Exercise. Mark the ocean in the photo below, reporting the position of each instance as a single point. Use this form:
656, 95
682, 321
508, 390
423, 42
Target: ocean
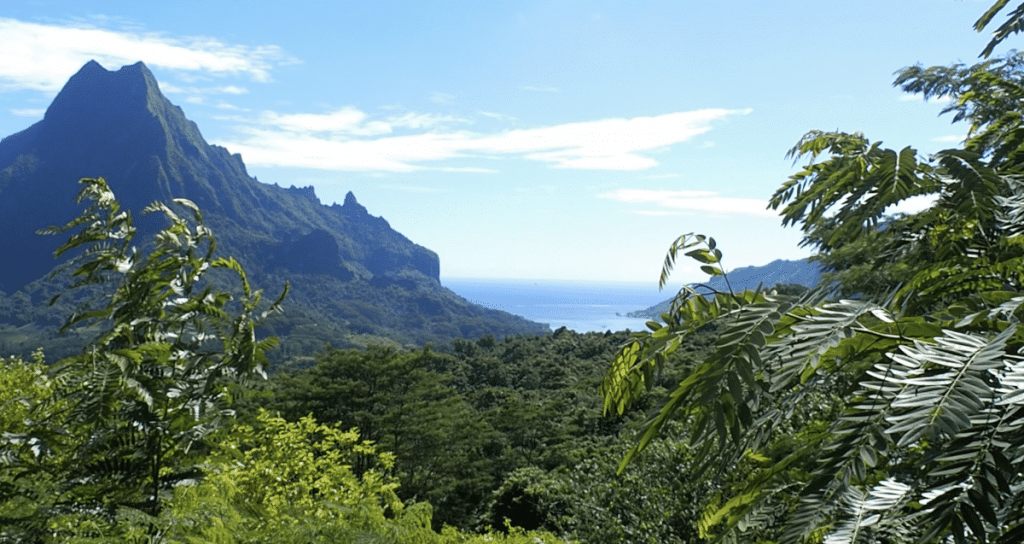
579, 306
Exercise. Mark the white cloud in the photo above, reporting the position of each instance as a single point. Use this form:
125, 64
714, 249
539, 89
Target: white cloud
442, 98
272, 147
498, 116
656, 213
953, 138
912, 205
347, 122
348, 139
28, 112
170, 88
415, 189
468, 169
422, 120
231, 89
669, 201
540, 89
47, 55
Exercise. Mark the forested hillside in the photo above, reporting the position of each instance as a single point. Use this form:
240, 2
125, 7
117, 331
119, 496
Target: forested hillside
355, 279
168, 428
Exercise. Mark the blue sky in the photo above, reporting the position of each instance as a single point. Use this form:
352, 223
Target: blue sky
541, 140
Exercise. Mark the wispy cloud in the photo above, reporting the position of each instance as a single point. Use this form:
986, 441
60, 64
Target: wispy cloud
347, 122
468, 169
48, 54
229, 106
349, 139
28, 112
442, 98
415, 189
170, 88
952, 138
657, 213
498, 116
669, 202
423, 120
540, 89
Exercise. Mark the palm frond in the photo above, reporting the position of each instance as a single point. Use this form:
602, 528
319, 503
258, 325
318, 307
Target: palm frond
864, 509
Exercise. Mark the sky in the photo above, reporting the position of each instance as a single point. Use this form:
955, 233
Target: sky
564, 140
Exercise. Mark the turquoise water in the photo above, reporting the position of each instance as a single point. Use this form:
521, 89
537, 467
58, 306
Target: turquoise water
580, 306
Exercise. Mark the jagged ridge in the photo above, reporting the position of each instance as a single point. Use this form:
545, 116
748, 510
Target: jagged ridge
118, 125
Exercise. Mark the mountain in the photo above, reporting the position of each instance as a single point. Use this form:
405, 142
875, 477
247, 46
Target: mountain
352, 275
778, 272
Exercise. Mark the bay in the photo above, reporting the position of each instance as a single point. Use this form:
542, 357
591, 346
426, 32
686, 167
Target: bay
579, 306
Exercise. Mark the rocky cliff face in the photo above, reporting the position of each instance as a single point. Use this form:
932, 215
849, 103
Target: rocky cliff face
117, 125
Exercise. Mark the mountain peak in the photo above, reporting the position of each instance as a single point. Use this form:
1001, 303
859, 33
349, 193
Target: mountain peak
352, 206
91, 66
119, 126
132, 87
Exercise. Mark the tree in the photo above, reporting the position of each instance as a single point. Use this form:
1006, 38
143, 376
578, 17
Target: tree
138, 403
902, 412
291, 482
651, 501
397, 400
284, 482
1013, 25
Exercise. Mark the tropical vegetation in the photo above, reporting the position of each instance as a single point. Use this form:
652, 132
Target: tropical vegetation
136, 439
884, 406
887, 405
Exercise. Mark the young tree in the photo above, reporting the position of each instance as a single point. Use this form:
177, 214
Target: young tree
138, 402
905, 406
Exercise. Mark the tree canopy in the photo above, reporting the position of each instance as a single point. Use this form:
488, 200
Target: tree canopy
887, 405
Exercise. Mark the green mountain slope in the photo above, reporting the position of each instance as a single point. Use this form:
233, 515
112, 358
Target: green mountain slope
354, 279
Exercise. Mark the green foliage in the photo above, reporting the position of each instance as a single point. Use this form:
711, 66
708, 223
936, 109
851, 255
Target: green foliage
1014, 24
136, 407
893, 418
280, 482
134, 439
22, 386
397, 400
289, 482
654, 501
459, 423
